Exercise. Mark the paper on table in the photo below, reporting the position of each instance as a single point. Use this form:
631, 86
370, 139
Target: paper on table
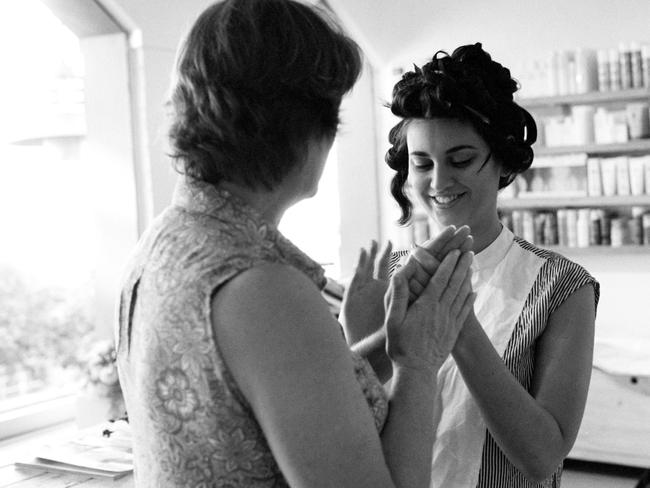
90, 452
45, 465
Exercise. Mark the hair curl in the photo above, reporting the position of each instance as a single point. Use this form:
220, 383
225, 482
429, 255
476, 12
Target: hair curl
468, 86
255, 79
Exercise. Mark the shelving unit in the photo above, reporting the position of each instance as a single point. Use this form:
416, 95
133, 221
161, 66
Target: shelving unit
640, 146
613, 428
597, 251
573, 202
594, 98
540, 203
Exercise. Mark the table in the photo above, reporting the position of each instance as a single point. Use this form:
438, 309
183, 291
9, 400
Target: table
13, 477
616, 425
23, 447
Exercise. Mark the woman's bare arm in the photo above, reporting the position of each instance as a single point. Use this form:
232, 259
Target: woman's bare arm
535, 430
286, 353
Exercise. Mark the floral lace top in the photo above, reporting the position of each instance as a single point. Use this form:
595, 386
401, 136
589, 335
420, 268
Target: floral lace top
192, 425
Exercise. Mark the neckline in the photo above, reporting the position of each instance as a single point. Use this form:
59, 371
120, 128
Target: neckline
200, 196
204, 198
495, 252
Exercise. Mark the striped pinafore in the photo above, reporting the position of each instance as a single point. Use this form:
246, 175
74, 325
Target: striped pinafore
518, 287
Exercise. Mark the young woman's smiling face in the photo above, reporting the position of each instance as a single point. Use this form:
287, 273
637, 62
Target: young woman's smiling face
454, 176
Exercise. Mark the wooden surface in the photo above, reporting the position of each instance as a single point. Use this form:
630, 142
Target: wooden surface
615, 430
633, 146
23, 447
616, 425
13, 477
523, 202
595, 98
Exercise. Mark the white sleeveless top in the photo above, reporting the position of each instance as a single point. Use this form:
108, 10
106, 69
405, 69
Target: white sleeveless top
517, 286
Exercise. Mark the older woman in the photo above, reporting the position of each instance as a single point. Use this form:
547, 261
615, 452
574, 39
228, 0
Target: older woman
234, 372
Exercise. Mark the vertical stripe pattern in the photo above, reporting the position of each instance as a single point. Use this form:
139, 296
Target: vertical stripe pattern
557, 279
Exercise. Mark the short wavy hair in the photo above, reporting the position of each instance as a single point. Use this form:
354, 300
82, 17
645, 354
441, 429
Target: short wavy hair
255, 80
467, 86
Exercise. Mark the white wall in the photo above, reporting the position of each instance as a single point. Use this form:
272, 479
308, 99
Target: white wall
108, 151
518, 29
358, 171
161, 24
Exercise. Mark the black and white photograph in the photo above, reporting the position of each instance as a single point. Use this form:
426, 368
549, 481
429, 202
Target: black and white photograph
325, 244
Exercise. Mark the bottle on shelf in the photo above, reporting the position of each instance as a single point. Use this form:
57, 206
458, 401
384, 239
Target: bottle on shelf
645, 63
602, 58
581, 228
625, 60
589, 185
614, 70
595, 228
646, 229
637, 65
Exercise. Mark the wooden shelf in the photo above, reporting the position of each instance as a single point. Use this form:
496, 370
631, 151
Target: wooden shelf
573, 202
599, 250
638, 146
594, 98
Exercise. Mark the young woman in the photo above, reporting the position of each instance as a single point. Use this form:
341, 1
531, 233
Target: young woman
234, 372
512, 395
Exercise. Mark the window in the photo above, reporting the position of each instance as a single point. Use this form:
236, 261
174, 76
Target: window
45, 260
314, 224
66, 178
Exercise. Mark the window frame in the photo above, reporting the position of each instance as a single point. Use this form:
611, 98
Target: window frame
93, 21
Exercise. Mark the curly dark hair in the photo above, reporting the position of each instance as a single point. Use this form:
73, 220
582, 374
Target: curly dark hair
468, 86
255, 80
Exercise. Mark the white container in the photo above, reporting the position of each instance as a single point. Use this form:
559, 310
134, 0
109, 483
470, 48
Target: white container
619, 126
583, 123
608, 171
562, 230
602, 126
528, 226
614, 70
572, 227
638, 120
582, 224
594, 178
619, 232
625, 60
517, 223
637, 65
622, 175
603, 70
637, 174
645, 61
646, 168
586, 64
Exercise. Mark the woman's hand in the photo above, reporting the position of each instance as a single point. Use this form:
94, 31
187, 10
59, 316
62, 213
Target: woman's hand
427, 257
422, 334
362, 311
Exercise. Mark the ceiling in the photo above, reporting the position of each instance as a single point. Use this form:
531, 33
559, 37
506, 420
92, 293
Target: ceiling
385, 28
394, 32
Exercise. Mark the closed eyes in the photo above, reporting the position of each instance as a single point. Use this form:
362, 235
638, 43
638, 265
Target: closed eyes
422, 164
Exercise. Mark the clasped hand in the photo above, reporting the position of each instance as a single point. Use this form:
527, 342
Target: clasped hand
427, 302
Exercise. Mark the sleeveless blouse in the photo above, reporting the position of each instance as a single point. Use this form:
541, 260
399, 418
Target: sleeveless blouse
192, 426
518, 287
